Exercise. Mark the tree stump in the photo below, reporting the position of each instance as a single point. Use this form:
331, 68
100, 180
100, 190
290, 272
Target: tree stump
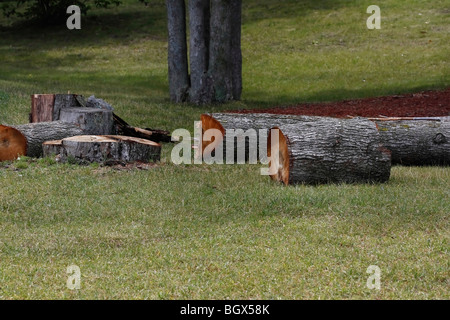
91, 120
108, 149
330, 150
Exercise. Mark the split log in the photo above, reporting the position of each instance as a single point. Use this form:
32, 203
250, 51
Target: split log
108, 149
156, 135
13, 143
329, 150
91, 120
37, 133
417, 142
47, 107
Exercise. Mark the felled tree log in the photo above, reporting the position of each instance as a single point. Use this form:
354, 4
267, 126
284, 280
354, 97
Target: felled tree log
417, 142
329, 150
47, 107
91, 120
12, 143
36, 133
108, 149
239, 125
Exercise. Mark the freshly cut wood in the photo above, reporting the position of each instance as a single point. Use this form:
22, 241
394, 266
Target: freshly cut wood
417, 142
156, 135
104, 149
91, 120
329, 150
47, 107
258, 123
37, 133
12, 143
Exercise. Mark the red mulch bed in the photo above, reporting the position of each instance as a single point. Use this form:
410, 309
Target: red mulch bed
421, 104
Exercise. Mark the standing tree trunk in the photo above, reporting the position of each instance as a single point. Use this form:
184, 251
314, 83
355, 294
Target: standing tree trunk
215, 51
177, 50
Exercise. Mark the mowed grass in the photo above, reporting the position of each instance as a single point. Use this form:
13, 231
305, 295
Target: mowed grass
212, 231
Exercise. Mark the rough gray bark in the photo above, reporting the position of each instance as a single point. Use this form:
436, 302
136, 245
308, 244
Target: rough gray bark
177, 50
333, 150
255, 122
37, 133
220, 51
199, 20
417, 142
107, 149
215, 51
236, 53
90, 120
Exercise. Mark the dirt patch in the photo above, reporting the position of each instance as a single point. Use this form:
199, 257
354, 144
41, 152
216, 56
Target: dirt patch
420, 104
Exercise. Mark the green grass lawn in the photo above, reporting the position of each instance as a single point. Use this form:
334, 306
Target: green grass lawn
223, 232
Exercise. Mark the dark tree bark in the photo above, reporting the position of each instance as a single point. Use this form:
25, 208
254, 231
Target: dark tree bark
177, 50
215, 51
199, 20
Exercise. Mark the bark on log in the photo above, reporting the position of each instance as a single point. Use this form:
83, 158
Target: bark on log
37, 133
330, 150
47, 107
259, 122
108, 149
90, 120
417, 142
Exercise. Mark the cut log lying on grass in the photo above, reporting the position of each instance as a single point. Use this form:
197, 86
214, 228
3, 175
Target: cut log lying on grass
416, 142
329, 150
123, 128
108, 149
259, 122
47, 107
36, 133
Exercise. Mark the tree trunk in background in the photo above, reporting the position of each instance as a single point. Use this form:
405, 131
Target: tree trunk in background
199, 20
215, 51
177, 50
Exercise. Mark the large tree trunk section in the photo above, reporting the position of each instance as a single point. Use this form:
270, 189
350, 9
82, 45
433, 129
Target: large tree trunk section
90, 120
12, 143
37, 133
177, 50
417, 142
47, 107
108, 149
259, 122
330, 150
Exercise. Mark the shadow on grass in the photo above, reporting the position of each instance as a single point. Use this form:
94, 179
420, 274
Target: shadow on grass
120, 25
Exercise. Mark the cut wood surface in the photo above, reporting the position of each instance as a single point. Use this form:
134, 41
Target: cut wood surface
104, 149
330, 150
12, 143
417, 142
